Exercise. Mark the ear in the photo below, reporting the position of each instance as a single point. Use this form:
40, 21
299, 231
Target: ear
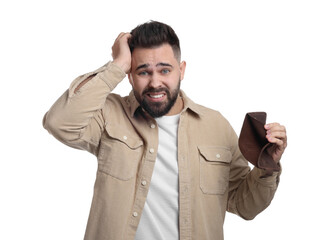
182, 67
130, 79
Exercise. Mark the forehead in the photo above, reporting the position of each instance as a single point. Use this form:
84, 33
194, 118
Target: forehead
151, 56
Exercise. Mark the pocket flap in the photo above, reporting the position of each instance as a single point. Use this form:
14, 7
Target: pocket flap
215, 154
128, 138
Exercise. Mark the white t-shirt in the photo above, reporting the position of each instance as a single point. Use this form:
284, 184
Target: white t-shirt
159, 220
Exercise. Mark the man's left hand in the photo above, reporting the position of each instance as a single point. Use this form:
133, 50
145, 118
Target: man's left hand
276, 134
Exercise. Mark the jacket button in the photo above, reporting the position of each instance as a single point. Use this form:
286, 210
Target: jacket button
218, 156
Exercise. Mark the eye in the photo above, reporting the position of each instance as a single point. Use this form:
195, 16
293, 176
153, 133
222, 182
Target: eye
165, 71
143, 73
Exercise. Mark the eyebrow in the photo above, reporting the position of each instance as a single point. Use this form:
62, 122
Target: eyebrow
146, 65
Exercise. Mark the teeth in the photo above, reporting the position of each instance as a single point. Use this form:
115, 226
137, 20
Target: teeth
156, 96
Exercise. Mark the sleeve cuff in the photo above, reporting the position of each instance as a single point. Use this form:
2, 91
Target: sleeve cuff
110, 73
263, 178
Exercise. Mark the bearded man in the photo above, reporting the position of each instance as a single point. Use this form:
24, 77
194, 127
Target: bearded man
168, 168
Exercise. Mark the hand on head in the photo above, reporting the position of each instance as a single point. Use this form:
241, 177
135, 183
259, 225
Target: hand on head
121, 52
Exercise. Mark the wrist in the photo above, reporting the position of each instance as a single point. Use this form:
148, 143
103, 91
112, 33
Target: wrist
124, 66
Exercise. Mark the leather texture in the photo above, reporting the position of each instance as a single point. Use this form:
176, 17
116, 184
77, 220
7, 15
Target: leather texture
253, 143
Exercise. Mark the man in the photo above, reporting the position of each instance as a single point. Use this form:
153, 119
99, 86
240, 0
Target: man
167, 167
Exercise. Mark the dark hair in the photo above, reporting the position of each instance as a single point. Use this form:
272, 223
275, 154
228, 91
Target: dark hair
153, 34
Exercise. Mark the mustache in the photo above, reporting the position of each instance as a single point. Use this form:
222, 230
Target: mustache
154, 90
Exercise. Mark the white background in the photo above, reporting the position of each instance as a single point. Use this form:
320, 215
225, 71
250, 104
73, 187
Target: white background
241, 56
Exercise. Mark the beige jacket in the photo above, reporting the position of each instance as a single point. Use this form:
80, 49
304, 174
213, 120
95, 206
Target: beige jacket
213, 175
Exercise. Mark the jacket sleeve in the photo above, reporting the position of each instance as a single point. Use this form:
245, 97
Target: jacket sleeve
250, 191
76, 117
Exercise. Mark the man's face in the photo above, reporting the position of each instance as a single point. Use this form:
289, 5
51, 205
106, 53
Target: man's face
155, 78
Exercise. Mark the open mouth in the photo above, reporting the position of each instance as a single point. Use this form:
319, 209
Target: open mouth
156, 96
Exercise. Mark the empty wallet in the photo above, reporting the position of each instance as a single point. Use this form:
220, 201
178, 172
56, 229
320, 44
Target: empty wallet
253, 143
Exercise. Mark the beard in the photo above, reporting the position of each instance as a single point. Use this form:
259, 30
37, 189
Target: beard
157, 109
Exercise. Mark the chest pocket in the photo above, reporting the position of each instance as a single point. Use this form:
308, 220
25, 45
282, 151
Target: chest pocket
120, 153
214, 169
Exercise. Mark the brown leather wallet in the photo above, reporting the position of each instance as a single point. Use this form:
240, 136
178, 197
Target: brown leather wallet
253, 143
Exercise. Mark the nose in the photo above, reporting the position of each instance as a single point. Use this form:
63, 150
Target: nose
155, 81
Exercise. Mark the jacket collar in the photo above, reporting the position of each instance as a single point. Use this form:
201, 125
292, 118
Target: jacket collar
188, 104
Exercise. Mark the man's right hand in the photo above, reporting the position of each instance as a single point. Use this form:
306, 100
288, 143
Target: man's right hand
121, 52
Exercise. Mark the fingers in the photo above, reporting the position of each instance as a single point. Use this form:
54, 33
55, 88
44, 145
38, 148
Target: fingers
121, 52
120, 41
123, 37
119, 36
276, 133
